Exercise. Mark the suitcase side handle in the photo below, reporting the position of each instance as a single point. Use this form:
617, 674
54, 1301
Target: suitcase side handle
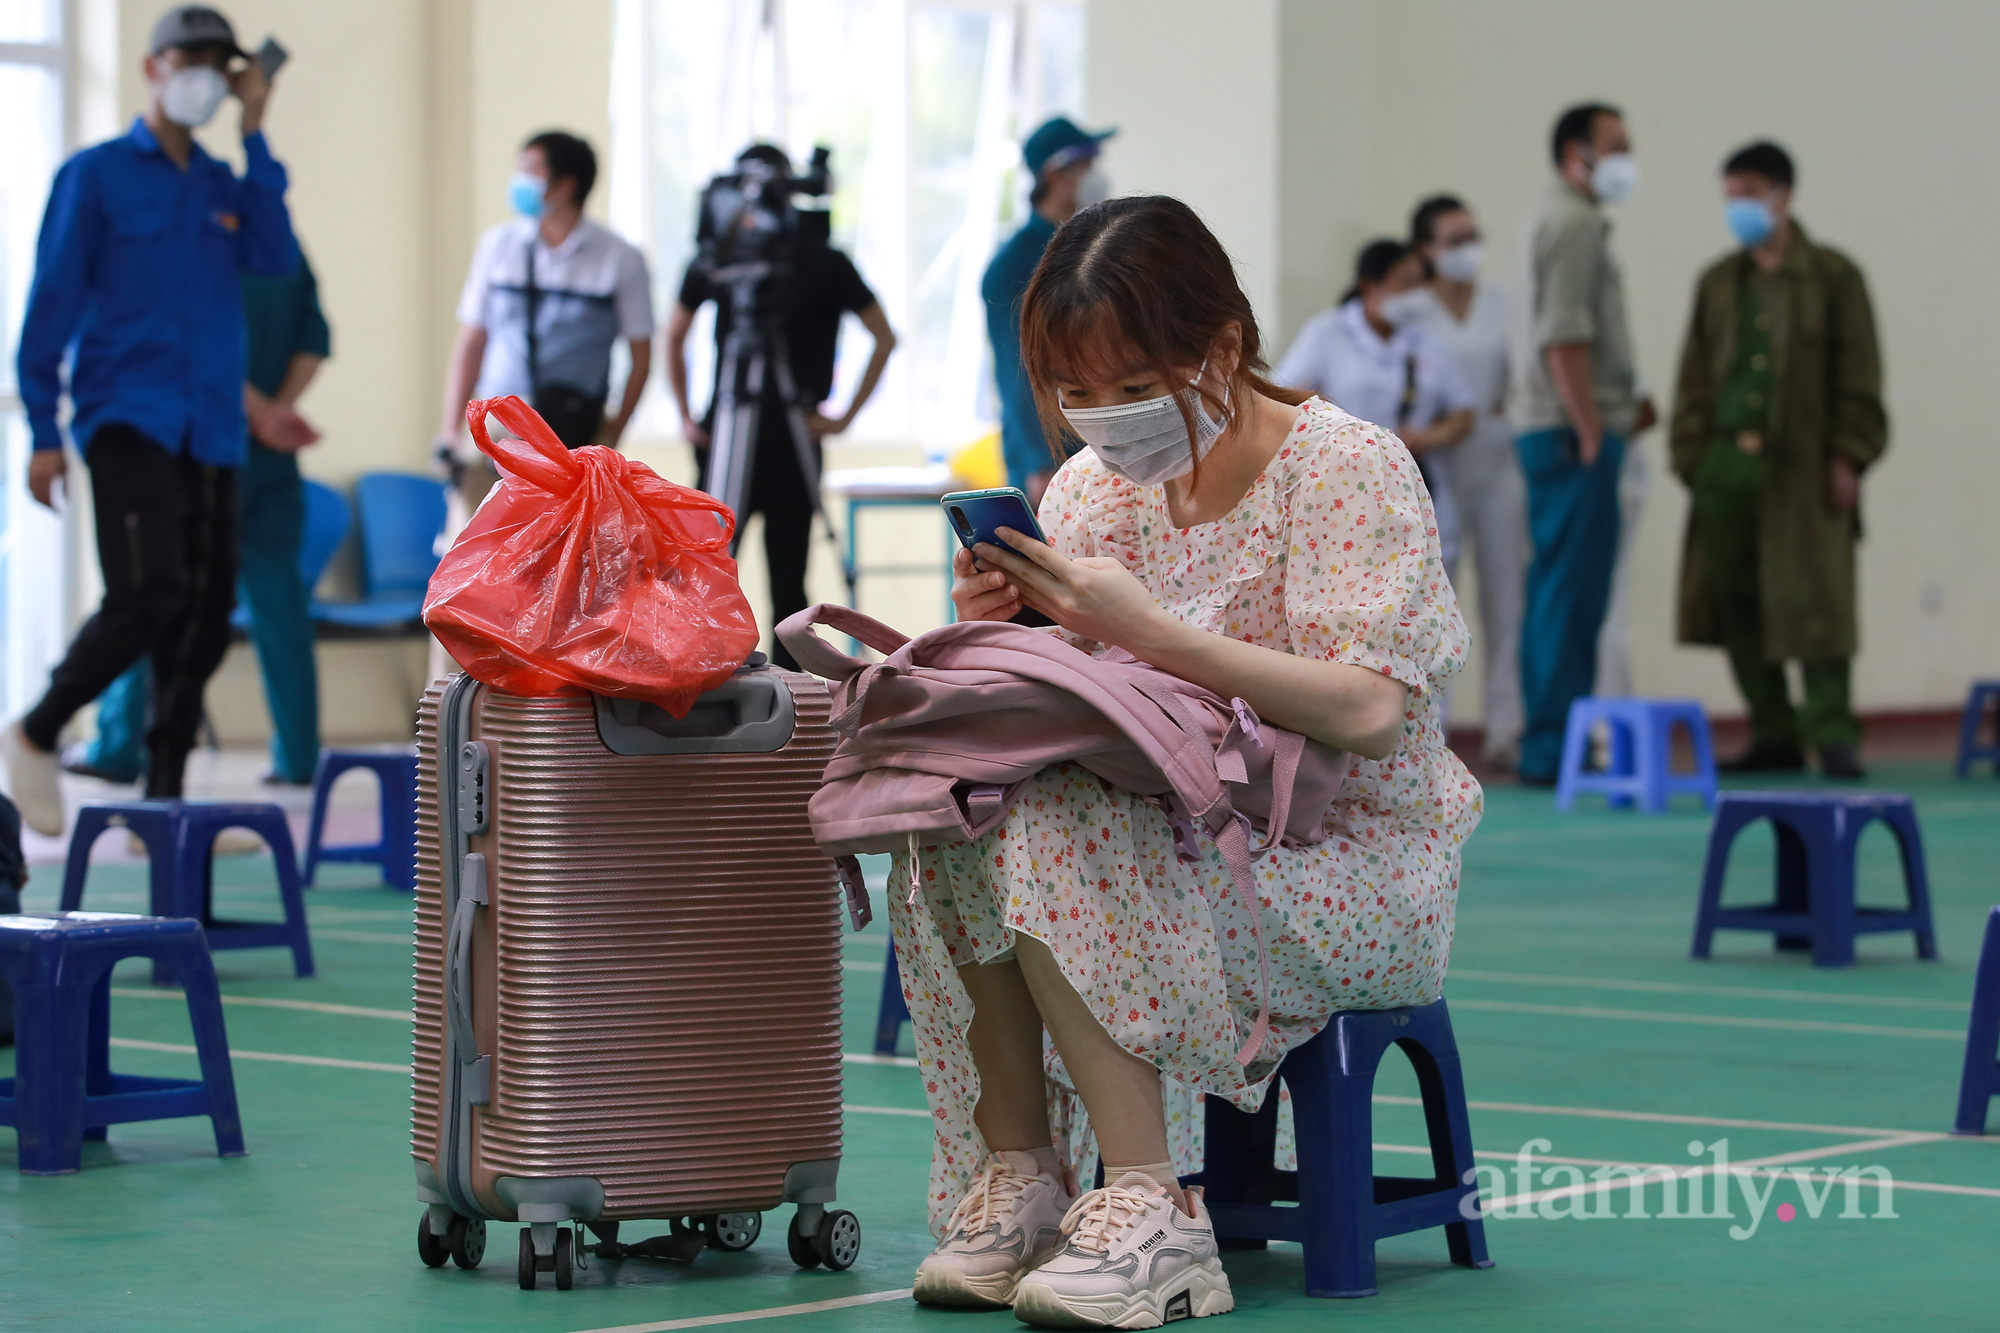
750, 713
458, 957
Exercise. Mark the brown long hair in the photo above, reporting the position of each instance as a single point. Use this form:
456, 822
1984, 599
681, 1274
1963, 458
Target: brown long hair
1140, 276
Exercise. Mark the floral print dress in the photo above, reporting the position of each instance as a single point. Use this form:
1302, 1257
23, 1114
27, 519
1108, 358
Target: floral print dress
1333, 554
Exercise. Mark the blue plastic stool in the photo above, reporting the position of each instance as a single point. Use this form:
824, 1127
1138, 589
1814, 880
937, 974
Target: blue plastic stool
1641, 763
1981, 1081
63, 1091
1984, 694
395, 852
179, 836
1344, 1207
1814, 902
894, 1011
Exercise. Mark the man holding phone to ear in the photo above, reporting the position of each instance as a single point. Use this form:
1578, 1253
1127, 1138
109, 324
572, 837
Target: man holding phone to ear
138, 283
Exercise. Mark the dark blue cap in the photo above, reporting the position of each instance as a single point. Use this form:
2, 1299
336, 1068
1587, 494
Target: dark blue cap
1060, 138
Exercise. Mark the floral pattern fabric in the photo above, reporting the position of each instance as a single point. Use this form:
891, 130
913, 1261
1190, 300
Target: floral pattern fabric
1333, 554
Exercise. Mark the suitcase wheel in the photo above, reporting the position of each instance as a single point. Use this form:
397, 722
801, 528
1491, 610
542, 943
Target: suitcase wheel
804, 1249
562, 1262
467, 1238
564, 1274
838, 1241
732, 1231
431, 1248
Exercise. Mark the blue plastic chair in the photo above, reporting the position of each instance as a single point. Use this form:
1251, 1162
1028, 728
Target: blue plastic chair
1641, 762
327, 521
179, 836
1343, 1206
1813, 907
63, 1091
1980, 1082
401, 515
395, 851
1984, 694
894, 1010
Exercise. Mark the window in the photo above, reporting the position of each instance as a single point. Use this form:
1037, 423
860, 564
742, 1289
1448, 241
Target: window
33, 63
923, 103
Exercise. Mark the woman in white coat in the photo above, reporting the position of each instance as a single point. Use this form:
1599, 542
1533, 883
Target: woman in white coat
1469, 317
1401, 378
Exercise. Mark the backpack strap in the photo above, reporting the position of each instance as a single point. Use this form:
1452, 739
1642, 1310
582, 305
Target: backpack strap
822, 658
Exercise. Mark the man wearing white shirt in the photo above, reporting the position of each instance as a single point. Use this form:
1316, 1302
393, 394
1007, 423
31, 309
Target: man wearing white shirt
548, 295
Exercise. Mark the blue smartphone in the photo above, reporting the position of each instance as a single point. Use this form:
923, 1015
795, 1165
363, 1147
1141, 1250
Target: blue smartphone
978, 516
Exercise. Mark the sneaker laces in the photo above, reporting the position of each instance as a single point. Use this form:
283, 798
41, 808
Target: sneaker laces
1099, 1217
993, 1191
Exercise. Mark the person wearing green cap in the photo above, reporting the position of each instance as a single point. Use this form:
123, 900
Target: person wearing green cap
1062, 158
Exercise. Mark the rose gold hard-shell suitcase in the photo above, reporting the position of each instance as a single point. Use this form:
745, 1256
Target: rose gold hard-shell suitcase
627, 974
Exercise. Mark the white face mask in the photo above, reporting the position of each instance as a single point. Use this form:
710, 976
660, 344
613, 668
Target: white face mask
1147, 442
1093, 187
1403, 307
1461, 263
1615, 178
191, 96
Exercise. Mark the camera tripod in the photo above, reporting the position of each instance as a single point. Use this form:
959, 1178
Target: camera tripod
754, 349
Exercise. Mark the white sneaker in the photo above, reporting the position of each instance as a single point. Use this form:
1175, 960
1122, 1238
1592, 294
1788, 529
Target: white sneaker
33, 778
229, 842
1133, 1260
1008, 1222
239, 842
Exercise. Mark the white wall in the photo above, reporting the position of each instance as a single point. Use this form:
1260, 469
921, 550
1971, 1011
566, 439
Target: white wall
1886, 108
1183, 80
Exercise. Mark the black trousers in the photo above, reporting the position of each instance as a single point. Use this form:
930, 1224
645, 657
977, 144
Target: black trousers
166, 541
778, 492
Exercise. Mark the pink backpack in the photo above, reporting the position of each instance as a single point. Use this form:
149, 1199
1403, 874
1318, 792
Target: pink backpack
936, 740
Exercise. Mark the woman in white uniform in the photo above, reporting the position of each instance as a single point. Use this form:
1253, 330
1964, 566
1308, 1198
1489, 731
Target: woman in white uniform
1469, 318
1355, 357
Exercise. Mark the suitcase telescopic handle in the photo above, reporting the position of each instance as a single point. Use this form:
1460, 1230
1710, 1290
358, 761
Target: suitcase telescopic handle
458, 956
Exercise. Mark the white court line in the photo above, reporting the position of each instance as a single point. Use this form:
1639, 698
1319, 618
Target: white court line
1659, 1117
1765, 1166
326, 1061
263, 1002
1690, 988
748, 1316
899, 1110
1709, 1020
860, 1058
363, 936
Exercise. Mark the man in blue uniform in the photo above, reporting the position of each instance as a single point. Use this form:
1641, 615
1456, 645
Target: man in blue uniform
288, 340
1063, 161
137, 283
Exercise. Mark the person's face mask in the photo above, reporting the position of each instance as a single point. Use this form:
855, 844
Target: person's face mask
1093, 187
1615, 178
1147, 442
527, 194
1749, 220
192, 96
1461, 263
1403, 307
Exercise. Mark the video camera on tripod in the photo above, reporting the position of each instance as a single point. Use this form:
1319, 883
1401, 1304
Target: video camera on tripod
749, 233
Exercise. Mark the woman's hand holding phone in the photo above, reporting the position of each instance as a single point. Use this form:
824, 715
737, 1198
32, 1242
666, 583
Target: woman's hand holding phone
1094, 597
981, 594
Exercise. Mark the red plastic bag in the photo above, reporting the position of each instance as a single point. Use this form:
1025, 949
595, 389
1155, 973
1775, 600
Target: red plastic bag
589, 571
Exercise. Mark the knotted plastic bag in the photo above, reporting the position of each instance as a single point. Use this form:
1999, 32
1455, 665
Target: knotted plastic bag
586, 570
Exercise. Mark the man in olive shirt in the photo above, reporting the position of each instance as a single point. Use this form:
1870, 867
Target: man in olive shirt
1574, 405
1778, 412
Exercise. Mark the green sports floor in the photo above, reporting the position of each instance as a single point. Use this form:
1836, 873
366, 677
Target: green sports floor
1580, 1017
